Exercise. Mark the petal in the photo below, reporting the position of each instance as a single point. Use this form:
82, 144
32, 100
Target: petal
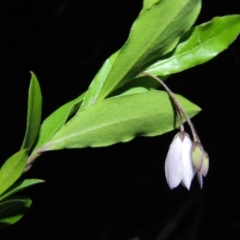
173, 165
189, 169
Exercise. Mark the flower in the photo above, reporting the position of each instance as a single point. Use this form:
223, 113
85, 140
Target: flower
179, 167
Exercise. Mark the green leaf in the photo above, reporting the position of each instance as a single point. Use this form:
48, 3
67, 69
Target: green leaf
57, 119
148, 4
98, 81
12, 169
134, 86
120, 119
20, 185
13, 209
33, 113
156, 32
203, 43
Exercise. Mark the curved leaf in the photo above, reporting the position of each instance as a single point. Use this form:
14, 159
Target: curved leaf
98, 81
204, 43
34, 113
119, 119
155, 32
56, 120
12, 169
13, 209
20, 185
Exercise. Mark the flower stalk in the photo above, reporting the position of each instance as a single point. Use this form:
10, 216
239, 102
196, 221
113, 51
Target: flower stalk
184, 157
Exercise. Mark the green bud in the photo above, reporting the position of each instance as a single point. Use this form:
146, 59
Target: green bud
197, 155
205, 164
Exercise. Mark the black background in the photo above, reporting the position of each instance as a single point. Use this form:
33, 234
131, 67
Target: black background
118, 192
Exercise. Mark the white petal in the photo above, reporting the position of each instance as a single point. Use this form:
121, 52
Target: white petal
174, 168
189, 169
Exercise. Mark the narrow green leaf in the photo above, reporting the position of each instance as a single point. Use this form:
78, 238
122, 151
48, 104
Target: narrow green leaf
156, 32
12, 169
33, 113
204, 43
20, 185
120, 119
13, 209
56, 120
98, 81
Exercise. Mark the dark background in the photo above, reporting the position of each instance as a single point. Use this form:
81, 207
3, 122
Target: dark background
118, 192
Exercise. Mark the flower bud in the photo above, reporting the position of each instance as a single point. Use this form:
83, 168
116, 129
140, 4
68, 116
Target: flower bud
205, 165
197, 155
204, 169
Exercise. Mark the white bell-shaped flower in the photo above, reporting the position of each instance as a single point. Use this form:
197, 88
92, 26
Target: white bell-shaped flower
178, 165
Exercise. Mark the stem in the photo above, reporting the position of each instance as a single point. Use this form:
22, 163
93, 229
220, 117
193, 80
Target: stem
31, 160
34, 155
179, 107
